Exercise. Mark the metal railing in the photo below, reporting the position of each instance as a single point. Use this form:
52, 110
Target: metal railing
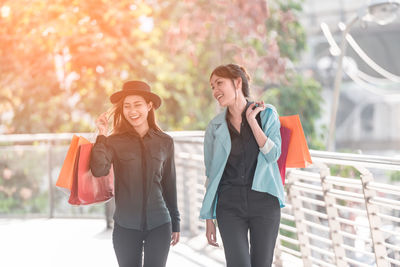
344, 221
329, 220
337, 212
29, 168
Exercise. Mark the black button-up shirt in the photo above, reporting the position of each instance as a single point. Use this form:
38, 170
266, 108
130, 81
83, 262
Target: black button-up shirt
242, 161
145, 179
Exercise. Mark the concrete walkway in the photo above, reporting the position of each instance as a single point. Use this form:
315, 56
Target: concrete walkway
86, 242
80, 242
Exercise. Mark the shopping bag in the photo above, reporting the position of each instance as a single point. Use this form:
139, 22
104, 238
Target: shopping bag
87, 189
285, 136
65, 177
298, 155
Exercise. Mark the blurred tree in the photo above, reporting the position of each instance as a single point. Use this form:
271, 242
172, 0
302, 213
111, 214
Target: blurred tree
16, 190
267, 39
297, 93
60, 60
203, 34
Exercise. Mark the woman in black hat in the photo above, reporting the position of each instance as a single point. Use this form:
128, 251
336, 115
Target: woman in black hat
146, 216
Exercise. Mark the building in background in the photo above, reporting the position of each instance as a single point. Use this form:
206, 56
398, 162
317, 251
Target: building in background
368, 113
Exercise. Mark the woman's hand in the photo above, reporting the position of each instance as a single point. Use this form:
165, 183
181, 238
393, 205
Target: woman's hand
211, 233
102, 124
174, 238
253, 110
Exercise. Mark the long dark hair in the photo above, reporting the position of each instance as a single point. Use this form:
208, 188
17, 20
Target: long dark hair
234, 71
121, 125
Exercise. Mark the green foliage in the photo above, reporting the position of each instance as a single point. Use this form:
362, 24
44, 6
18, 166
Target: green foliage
24, 183
297, 93
344, 171
290, 34
288, 234
300, 95
20, 174
60, 60
395, 176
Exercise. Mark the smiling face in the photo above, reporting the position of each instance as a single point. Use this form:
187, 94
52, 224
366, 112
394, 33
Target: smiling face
135, 110
224, 90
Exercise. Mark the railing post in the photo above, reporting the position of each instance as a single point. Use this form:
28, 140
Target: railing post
278, 253
191, 189
184, 190
294, 200
50, 179
109, 208
373, 219
332, 212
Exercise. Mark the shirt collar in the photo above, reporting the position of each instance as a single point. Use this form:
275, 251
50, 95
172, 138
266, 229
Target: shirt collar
221, 117
150, 133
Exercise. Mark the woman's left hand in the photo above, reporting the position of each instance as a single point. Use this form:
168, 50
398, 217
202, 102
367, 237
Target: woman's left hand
174, 238
253, 110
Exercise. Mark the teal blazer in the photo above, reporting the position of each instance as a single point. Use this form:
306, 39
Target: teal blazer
217, 146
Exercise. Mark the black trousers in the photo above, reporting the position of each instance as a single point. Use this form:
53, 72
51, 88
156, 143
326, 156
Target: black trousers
129, 244
240, 210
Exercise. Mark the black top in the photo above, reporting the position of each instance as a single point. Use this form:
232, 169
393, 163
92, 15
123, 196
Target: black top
242, 161
145, 180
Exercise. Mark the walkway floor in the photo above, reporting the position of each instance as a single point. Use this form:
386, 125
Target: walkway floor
86, 242
74, 242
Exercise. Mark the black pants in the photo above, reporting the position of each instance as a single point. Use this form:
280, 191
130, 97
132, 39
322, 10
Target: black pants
240, 209
129, 245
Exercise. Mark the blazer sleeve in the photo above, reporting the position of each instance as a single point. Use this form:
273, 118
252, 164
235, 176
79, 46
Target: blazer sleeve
101, 157
208, 149
271, 127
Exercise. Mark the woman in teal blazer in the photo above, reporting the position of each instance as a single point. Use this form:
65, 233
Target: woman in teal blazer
244, 190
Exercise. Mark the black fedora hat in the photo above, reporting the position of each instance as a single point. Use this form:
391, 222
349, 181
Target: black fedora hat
136, 88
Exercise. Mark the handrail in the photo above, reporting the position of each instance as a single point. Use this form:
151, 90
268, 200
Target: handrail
46, 137
349, 159
325, 156
336, 211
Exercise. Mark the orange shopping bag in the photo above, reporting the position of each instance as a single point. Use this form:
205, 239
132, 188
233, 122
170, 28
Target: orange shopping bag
65, 177
298, 155
87, 189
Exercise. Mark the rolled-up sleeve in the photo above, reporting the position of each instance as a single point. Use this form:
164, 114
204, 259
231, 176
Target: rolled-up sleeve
267, 147
169, 188
101, 157
272, 148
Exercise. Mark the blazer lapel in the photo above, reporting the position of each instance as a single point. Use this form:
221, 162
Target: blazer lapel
223, 137
222, 132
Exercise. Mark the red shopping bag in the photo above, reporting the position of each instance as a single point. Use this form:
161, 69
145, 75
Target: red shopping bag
298, 155
87, 189
65, 177
285, 136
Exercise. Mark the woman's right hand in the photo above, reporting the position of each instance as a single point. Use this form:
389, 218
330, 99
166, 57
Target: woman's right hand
211, 233
102, 124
